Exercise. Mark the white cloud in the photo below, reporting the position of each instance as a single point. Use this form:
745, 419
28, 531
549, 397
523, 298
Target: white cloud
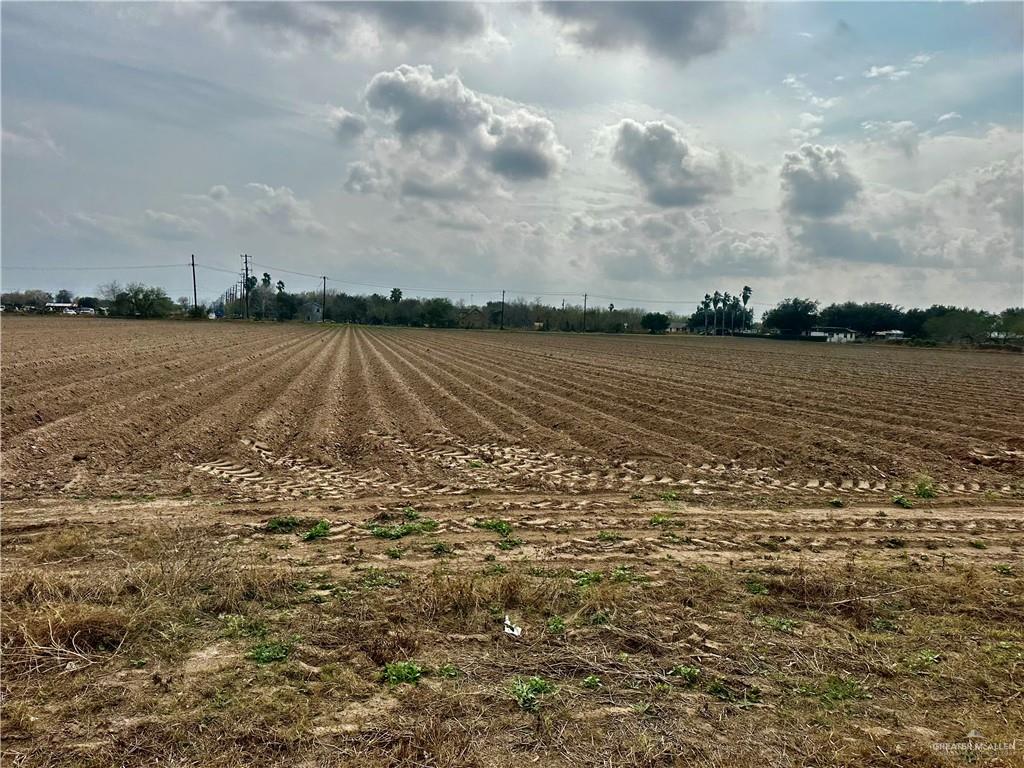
817, 182
949, 116
902, 135
346, 125
30, 138
671, 245
804, 93
670, 171
886, 72
450, 142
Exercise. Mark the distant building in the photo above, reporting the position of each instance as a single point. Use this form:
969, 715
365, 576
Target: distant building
887, 335
58, 306
677, 328
833, 335
311, 312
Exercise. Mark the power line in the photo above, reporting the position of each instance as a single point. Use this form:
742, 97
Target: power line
318, 278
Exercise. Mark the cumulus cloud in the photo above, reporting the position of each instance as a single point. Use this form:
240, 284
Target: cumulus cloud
346, 125
848, 242
339, 25
671, 171
675, 31
451, 142
949, 116
1000, 188
902, 135
817, 182
809, 127
966, 222
278, 208
674, 244
364, 178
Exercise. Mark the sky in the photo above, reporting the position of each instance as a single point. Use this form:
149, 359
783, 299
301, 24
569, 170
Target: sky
642, 153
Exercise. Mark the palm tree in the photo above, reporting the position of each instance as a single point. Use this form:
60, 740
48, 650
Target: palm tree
716, 300
706, 305
746, 297
735, 309
726, 303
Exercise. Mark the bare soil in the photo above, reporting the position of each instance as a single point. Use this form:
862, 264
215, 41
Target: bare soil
721, 552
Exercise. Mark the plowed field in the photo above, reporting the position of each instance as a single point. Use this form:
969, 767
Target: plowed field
720, 551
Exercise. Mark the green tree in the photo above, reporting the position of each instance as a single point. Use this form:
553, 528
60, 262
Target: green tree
959, 325
64, 296
654, 322
706, 306
792, 316
145, 301
747, 293
1011, 321
396, 295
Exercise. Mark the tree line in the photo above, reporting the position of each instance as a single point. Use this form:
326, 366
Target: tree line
939, 323
719, 313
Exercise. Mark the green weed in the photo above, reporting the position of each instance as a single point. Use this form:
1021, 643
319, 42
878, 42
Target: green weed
689, 675
286, 524
400, 530
527, 692
500, 527
268, 653
318, 531
556, 625
398, 672
924, 488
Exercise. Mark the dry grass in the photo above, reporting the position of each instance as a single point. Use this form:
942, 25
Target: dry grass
148, 640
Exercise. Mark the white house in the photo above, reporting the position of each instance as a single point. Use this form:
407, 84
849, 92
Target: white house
833, 335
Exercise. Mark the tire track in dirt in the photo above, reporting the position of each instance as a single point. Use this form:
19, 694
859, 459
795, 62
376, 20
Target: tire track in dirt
861, 459
768, 368
21, 412
597, 438
191, 434
111, 432
743, 400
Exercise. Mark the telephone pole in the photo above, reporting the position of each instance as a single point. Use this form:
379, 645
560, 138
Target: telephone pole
195, 296
323, 307
245, 293
502, 325
584, 313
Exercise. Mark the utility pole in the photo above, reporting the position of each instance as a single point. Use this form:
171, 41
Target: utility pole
502, 325
245, 259
195, 296
323, 307
584, 313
